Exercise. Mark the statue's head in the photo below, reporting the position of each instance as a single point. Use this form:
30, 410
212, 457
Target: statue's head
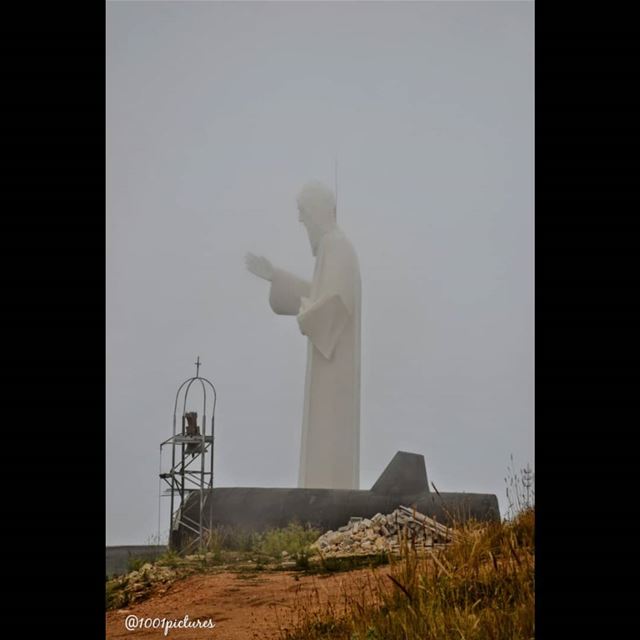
317, 207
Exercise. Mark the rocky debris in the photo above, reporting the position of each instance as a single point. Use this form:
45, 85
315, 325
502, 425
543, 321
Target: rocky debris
136, 585
384, 534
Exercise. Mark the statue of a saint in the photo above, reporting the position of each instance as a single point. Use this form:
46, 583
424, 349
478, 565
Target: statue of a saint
328, 313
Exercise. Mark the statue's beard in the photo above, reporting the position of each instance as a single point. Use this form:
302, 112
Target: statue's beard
316, 233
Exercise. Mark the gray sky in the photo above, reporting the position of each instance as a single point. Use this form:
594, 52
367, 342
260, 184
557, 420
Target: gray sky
217, 113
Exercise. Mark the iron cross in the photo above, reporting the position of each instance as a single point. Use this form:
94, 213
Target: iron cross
197, 363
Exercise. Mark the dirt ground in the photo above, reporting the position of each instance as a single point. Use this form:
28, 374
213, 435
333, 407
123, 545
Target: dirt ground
242, 606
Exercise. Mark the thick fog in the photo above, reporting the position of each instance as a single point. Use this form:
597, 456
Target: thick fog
217, 114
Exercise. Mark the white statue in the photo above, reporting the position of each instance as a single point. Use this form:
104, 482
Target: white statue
328, 313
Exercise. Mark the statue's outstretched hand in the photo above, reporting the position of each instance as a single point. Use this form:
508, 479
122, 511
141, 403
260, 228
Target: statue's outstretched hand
259, 266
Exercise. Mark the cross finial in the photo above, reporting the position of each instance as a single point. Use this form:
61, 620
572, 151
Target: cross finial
197, 363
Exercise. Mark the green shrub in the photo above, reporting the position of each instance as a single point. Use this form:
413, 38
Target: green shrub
294, 540
230, 538
135, 563
169, 559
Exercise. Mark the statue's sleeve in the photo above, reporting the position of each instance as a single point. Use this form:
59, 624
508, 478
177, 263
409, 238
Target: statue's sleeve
286, 292
323, 321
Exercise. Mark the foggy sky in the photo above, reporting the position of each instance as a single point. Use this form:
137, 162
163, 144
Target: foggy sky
217, 114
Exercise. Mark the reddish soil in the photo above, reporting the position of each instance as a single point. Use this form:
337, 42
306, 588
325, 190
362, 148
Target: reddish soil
243, 606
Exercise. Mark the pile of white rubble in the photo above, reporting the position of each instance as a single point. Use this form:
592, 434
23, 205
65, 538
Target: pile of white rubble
384, 533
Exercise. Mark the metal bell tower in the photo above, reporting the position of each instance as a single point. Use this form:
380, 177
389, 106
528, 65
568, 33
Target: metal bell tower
190, 475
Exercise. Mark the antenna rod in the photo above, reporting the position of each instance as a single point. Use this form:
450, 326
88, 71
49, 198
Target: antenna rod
335, 180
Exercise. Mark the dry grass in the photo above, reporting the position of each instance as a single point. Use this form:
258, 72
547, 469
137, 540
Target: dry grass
481, 587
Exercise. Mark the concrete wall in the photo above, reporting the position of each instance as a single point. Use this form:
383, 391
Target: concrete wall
257, 509
403, 482
117, 558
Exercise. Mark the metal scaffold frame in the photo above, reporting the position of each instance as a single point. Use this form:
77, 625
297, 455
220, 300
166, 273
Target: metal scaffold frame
191, 470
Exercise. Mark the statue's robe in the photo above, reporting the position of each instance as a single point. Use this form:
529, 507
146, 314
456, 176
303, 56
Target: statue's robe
328, 313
